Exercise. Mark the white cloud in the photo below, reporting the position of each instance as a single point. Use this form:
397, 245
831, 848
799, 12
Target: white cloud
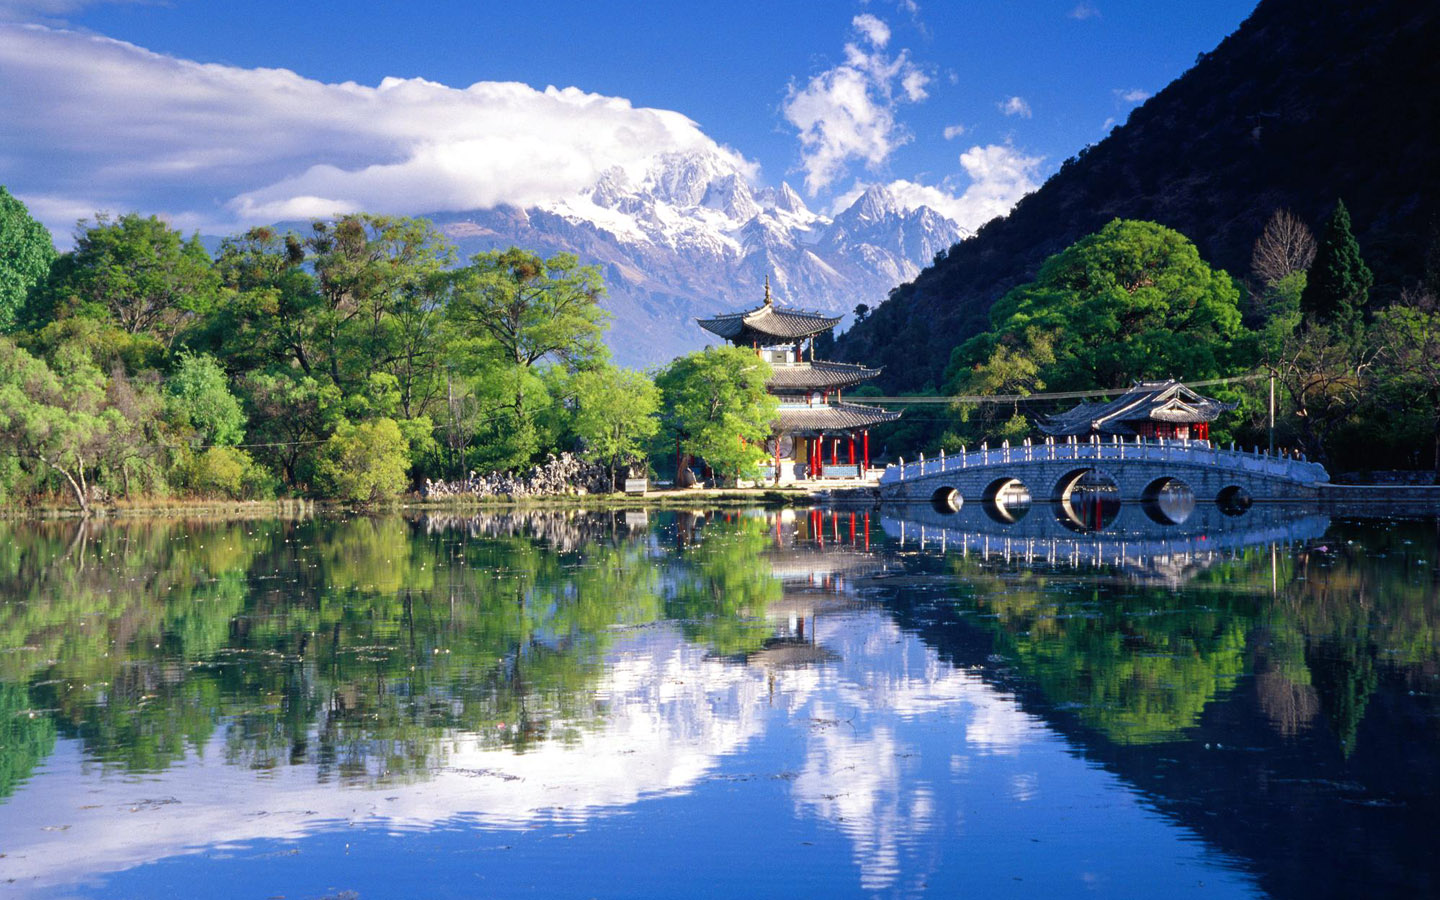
953, 131
847, 113
996, 177
93, 122
1133, 95
874, 29
1083, 11
1015, 106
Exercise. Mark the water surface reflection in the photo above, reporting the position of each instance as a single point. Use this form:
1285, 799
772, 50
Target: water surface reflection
933, 703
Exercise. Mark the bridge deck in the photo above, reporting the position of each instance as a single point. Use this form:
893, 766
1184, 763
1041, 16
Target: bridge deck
1042, 467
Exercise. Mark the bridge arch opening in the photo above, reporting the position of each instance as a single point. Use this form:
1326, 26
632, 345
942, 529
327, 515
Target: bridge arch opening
1233, 500
1006, 500
1086, 500
947, 500
1168, 501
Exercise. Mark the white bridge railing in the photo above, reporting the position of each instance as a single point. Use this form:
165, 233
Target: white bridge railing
1189, 452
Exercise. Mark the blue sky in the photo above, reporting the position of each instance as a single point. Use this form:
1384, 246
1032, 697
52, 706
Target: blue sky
221, 114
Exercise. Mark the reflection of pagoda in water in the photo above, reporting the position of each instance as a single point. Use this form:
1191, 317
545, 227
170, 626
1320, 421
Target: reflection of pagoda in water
816, 555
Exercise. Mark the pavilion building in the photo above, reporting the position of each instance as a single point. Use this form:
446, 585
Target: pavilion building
817, 434
1150, 409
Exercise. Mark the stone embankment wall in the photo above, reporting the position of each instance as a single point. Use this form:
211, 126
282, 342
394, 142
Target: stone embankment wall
559, 476
1395, 498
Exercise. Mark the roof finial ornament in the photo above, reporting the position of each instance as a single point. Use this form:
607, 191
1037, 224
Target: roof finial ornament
768, 301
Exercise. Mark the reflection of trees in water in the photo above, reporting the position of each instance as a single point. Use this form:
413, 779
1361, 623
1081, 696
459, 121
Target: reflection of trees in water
26, 738
355, 646
1314, 625
722, 584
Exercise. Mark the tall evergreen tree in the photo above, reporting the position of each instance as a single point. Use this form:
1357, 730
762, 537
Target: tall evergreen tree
1338, 285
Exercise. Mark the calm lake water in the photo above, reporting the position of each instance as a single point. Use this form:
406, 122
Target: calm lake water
722, 704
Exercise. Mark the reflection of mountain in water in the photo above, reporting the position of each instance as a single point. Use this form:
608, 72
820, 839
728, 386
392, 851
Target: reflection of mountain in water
524, 671
1134, 542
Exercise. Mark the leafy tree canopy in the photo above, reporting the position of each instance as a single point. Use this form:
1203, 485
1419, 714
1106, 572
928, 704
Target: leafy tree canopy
366, 463
1134, 300
198, 395
531, 308
615, 414
26, 253
718, 408
135, 271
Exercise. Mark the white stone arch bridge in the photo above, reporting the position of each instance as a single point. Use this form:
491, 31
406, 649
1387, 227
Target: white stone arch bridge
1120, 472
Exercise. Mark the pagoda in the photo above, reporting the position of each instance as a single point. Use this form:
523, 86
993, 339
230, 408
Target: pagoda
1150, 409
817, 434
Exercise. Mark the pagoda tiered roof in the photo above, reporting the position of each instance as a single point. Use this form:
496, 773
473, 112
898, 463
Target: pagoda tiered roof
768, 324
797, 378
1147, 401
828, 419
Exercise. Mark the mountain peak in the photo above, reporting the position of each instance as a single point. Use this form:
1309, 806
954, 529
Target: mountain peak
731, 195
682, 178
789, 201
876, 204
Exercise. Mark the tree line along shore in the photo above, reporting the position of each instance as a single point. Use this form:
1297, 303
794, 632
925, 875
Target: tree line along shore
359, 360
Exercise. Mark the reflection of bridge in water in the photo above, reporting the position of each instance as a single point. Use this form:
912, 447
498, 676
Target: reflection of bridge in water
1132, 539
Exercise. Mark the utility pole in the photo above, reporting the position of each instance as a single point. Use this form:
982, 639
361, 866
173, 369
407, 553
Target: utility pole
1272, 412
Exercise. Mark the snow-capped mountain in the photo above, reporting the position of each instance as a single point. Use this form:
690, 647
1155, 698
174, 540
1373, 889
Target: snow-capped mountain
690, 236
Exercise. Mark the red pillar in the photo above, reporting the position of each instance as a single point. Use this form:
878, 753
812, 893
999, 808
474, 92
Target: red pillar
852, 449
866, 437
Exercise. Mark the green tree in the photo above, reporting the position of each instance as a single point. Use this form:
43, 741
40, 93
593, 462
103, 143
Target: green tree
378, 278
1338, 284
615, 414
57, 419
290, 416
1132, 301
26, 253
227, 471
1407, 336
198, 396
717, 407
519, 311
366, 463
137, 272
360, 297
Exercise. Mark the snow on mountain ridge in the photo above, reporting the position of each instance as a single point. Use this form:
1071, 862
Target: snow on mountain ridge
691, 235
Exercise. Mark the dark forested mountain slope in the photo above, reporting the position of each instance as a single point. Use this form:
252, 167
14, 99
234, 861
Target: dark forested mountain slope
1309, 100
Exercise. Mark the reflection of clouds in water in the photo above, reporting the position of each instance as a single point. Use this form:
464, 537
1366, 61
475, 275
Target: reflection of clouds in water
866, 783
673, 713
856, 782
1024, 787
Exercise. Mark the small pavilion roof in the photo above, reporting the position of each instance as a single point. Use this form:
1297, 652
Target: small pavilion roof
1146, 401
831, 418
768, 324
796, 378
